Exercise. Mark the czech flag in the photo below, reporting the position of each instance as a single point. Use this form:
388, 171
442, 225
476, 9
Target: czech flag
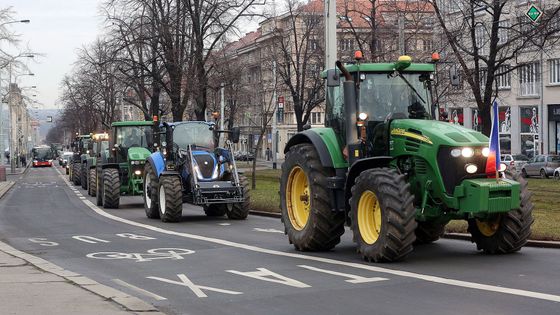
493, 161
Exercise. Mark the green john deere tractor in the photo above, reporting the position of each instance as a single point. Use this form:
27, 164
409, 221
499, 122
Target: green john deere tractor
120, 172
81, 152
383, 165
98, 147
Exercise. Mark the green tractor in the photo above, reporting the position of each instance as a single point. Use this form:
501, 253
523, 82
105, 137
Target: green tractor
120, 172
81, 152
383, 165
98, 148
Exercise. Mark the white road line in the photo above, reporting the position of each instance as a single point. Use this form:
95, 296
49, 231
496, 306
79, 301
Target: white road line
408, 274
139, 290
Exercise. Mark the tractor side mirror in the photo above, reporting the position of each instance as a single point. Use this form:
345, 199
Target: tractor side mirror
235, 133
333, 79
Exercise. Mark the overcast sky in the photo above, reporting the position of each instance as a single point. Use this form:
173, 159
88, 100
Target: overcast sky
57, 29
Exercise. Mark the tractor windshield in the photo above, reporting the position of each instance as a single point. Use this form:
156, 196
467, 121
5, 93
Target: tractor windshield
195, 134
134, 136
382, 94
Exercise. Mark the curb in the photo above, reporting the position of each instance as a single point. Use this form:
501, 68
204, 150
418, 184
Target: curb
128, 302
454, 236
7, 188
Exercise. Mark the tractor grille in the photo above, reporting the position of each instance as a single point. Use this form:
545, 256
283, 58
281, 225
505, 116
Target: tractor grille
420, 166
453, 169
412, 145
205, 164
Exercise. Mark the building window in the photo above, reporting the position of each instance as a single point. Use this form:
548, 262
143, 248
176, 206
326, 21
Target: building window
346, 44
428, 45
554, 70
314, 45
480, 39
503, 78
529, 79
503, 27
315, 118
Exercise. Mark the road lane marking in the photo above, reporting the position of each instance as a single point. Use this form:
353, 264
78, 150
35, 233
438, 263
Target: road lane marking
42, 241
270, 276
197, 289
136, 236
353, 278
401, 273
139, 290
268, 230
224, 224
89, 239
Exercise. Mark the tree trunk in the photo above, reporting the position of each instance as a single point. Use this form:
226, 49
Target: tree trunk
257, 150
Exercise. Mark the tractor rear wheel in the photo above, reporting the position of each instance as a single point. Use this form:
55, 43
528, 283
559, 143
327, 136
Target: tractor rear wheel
506, 232
308, 220
83, 176
150, 192
382, 215
111, 188
428, 232
240, 211
170, 199
92, 183
76, 174
214, 210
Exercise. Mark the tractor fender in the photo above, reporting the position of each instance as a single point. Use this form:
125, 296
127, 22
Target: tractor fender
110, 165
157, 161
362, 165
309, 136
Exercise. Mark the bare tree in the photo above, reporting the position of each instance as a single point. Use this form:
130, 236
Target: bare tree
489, 39
298, 52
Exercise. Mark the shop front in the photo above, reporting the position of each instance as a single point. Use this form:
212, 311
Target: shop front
554, 128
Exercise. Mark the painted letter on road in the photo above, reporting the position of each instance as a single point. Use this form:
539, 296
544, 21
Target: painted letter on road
197, 289
267, 275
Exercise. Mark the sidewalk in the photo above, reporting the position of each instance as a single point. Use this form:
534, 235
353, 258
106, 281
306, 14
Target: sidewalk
31, 285
5, 187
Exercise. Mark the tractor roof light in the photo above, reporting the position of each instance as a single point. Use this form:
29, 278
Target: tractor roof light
435, 57
403, 62
358, 55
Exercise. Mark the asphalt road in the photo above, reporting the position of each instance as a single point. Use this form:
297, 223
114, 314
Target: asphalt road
216, 266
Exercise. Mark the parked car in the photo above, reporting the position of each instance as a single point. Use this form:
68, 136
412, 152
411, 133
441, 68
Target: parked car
556, 174
541, 165
514, 162
244, 156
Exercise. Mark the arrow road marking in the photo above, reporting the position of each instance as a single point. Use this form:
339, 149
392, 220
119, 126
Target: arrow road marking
396, 272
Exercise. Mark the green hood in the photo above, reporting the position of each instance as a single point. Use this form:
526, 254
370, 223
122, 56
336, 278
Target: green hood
438, 132
138, 154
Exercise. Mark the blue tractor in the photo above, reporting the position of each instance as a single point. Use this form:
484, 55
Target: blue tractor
189, 168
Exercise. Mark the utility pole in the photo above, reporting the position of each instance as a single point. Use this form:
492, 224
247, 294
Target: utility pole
330, 33
401, 34
222, 105
274, 119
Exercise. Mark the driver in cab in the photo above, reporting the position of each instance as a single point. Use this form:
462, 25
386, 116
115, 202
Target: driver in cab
132, 139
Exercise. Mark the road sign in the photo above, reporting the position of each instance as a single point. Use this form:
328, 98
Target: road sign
280, 101
533, 13
49, 118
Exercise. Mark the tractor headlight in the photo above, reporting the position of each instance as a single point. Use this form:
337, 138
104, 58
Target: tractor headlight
503, 167
467, 152
456, 153
485, 152
138, 172
87, 151
471, 168
362, 116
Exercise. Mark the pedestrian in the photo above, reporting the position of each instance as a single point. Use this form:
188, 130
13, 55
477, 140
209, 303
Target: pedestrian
268, 154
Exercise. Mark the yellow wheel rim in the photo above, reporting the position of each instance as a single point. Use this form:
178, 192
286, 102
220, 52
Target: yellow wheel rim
488, 228
369, 217
298, 198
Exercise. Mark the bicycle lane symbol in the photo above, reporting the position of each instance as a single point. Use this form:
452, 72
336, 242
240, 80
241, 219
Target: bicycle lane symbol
151, 254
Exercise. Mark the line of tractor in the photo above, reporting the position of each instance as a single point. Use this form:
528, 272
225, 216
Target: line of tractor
382, 164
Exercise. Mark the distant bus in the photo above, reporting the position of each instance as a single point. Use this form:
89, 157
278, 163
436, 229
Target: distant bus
42, 156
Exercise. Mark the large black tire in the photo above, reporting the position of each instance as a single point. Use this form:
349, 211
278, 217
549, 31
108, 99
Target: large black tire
240, 211
92, 182
386, 233
111, 188
215, 210
170, 199
66, 169
76, 174
150, 192
311, 225
508, 232
428, 232
84, 176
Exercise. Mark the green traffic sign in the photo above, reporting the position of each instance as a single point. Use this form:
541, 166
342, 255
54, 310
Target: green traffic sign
533, 13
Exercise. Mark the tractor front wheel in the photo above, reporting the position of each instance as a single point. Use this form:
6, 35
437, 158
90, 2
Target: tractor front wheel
308, 220
170, 199
507, 232
150, 192
76, 174
240, 211
83, 176
111, 188
382, 215
92, 183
